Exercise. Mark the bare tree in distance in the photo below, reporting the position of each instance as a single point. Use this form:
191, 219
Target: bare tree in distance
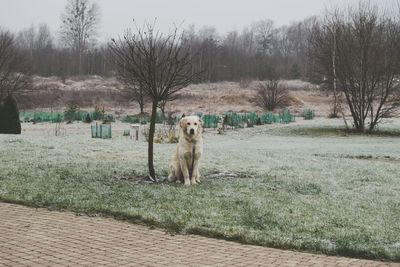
13, 81
323, 47
79, 26
366, 62
37, 45
270, 95
35, 38
158, 63
131, 90
264, 30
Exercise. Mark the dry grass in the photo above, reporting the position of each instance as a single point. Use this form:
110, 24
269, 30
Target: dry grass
215, 98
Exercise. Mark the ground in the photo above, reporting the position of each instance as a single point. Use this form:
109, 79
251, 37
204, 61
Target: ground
305, 186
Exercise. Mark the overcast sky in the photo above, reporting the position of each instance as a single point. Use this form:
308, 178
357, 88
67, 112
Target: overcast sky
117, 15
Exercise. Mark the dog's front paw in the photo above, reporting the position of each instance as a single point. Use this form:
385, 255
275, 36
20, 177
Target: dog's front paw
186, 182
193, 182
171, 178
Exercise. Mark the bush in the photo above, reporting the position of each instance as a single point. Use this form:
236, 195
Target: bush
9, 116
270, 95
269, 118
308, 114
286, 116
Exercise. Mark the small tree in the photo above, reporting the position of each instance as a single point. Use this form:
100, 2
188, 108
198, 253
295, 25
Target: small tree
270, 95
159, 64
71, 112
9, 116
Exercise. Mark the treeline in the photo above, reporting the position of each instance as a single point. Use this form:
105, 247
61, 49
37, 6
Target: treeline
256, 52
46, 57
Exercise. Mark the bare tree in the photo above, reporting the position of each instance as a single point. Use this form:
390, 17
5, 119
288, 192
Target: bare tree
37, 44
79, 25
366, 62
158, 63
132, 89
324, 49
26, 39
265, 31
12, 79
270, 95
44, 39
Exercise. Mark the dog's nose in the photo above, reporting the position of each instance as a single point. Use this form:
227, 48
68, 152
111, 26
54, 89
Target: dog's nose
191, 131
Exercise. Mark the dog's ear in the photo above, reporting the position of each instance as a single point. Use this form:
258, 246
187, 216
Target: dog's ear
201, 125
182, 123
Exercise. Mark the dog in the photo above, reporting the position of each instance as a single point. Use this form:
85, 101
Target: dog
185, 161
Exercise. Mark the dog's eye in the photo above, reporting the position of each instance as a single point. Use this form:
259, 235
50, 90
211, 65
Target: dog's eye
195, 123
188, 123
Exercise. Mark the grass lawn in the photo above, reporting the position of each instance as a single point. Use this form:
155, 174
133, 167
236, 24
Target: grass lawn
296, 188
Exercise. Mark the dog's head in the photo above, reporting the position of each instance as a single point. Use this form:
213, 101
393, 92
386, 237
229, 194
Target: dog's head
191, 125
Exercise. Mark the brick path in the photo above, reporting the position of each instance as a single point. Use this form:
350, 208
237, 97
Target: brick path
38, 237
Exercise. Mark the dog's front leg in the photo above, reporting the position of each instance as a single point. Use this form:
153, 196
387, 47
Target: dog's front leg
184, 167
196, 174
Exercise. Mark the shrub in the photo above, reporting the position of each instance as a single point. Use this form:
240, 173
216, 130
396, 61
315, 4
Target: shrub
269, 118
286, 116
9, 116
308, 114
270, 95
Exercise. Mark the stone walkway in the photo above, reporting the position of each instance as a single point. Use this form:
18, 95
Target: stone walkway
39, 237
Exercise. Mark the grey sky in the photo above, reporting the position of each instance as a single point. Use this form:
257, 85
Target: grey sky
116, 15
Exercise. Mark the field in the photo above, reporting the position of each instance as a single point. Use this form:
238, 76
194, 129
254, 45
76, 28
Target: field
208, 98
303, 186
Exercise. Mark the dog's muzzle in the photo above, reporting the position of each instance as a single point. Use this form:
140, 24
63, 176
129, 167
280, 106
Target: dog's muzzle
191, 131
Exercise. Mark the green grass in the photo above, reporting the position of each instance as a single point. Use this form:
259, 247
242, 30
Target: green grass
325, 194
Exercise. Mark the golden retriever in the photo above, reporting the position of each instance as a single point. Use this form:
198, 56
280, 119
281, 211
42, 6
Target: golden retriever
185, 161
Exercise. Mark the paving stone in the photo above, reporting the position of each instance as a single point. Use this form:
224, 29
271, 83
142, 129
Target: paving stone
39, 237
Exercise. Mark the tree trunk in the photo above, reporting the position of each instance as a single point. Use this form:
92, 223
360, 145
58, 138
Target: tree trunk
141, 108
140, 99
335, 103
152, 173
79, 62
